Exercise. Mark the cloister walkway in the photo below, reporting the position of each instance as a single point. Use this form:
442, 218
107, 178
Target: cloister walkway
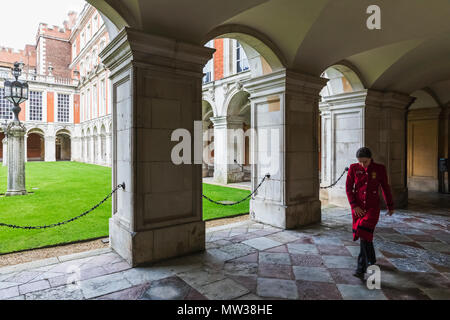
249, 260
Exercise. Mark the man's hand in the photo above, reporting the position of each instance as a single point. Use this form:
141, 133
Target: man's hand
359, 212
390, 212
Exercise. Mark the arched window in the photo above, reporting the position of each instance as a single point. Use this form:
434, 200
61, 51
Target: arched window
208, 69
241, 59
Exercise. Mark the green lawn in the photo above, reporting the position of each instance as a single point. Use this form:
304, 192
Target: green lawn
218, 193
62, 190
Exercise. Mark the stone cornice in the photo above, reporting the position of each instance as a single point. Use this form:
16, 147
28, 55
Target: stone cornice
227, 121
424, 113
388, 99
145, 49
285, 81
345, 100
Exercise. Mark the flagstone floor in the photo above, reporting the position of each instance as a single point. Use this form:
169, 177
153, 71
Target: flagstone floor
249, 260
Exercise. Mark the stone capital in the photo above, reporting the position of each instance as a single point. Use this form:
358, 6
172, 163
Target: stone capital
133, 47
227, 122
284, 81
388, 99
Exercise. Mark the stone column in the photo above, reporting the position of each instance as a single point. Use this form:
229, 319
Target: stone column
75, 149
228, 143
342, 133
50, 148
284, 113
100, 159
5, 151
108, 141
93, 150
156, 88
16, 160
385, 134
25, 144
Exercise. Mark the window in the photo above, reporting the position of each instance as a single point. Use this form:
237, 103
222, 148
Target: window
35, 106
89, 34
94, 102
5, 106
83, 39
103, 97
208, 69
95, 24
83, 104
63, 108
88, 105
241, 59
74, 51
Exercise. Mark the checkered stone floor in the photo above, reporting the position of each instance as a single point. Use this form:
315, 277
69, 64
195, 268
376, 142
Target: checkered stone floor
250, 260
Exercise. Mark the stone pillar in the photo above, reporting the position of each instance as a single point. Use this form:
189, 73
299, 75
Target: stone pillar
16, 160
108, 147
385, 134
342, 133
156, 88
5, 151
25, 144
284, 113
100, 159
93, 150
229, 141
75, 149
50, 148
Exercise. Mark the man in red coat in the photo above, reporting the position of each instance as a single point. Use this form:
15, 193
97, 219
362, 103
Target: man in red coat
363, 181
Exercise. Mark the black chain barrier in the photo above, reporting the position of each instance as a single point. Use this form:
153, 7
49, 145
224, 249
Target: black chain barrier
120, 186
267, 176
334, 183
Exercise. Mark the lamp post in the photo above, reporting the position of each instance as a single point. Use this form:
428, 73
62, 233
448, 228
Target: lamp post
16, 92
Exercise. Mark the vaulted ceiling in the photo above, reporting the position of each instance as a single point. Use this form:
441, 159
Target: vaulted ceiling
410, 52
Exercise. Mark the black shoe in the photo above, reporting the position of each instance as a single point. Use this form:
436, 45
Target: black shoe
359, 274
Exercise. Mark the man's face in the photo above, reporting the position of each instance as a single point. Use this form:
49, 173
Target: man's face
364, 162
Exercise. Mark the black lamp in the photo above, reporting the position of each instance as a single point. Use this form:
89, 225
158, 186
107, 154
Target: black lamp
16, 91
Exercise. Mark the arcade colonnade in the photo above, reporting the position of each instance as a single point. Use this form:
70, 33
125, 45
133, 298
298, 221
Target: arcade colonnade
156, 87
88, 142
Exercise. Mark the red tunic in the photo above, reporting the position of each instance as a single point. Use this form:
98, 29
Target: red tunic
362, 187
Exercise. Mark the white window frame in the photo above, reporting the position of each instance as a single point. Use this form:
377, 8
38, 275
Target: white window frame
70, 107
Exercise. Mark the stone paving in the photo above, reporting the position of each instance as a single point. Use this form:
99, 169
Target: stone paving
248, 260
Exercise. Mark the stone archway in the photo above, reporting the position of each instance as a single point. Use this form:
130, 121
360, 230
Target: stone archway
208, 140
35, 145
63, 145
341, 129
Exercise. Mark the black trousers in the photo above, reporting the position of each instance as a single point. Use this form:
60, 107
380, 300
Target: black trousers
366, 256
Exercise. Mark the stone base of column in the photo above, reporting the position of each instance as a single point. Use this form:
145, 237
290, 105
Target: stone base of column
286, 217
12, 193
149, 246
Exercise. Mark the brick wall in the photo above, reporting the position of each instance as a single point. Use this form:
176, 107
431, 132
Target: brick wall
28, 56
218, 59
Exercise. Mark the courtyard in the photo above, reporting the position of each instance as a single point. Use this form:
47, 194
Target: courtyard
62, 190
249, 260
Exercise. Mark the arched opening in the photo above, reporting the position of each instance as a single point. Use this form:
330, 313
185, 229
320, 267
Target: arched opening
423, 152
88, 145
94, 158
35, 145
83, 145
63, 144
239, 112
103, 145
208, 140
340, 128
